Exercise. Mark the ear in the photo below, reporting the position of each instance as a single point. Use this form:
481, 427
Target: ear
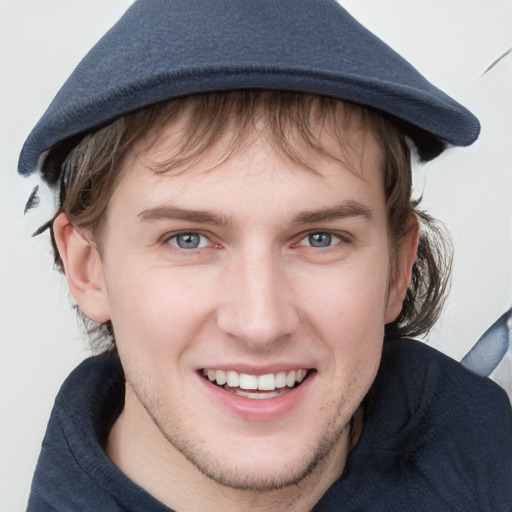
402, 276
83, 269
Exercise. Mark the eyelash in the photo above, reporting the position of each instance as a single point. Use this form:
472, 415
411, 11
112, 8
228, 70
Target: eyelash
332, 237
175, 237
337, 238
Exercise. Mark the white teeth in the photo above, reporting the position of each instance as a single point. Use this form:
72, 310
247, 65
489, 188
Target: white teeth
267, 382
281, 380
258, 396
248, 381
221, 377
290, 379
301, 374
232, 379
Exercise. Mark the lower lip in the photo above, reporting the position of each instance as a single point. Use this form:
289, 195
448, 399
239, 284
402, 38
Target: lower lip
263, 409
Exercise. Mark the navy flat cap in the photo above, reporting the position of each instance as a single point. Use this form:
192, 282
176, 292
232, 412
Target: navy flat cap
162, 49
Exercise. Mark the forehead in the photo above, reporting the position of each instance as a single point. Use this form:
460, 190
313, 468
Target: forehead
246, 168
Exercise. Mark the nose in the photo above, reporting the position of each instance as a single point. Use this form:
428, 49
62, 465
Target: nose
258, 307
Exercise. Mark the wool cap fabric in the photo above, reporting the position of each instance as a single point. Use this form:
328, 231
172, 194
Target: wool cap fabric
162, 49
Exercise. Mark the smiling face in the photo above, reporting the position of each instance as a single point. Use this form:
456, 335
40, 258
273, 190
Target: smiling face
248, 300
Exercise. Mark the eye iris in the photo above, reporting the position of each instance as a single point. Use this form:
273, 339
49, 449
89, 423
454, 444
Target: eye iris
188, 240
320, 239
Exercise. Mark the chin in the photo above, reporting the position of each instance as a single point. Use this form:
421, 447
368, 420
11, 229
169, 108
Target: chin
266, 464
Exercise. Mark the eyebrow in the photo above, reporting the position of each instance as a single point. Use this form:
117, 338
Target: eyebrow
344, 210
171, 212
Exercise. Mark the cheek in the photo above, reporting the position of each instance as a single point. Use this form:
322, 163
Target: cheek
348, 313
352, 298
155, 310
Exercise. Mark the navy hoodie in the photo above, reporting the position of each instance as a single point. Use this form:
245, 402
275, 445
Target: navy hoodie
436, 438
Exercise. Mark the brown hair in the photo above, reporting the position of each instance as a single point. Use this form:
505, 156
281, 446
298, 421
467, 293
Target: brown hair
91, 171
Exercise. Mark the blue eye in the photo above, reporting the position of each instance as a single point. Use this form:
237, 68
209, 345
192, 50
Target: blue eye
188, 240
320, 239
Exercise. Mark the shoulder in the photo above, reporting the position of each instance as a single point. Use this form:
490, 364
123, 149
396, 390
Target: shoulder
72, 469
438, 382
430, 388
450, 426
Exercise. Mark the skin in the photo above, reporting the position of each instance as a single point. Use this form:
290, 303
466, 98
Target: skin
255, 294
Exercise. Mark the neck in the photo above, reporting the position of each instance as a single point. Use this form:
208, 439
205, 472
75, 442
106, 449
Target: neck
137, 446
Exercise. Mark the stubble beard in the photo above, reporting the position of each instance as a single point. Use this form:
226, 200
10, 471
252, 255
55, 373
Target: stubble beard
198, 455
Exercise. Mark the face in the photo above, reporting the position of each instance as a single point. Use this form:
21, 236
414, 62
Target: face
248, 300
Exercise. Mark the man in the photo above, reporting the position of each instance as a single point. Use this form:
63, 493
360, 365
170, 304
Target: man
235, 218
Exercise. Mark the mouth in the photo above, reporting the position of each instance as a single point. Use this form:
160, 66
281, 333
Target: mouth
246, 385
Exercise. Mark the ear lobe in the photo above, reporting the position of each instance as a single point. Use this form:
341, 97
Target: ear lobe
398, 288
83, 270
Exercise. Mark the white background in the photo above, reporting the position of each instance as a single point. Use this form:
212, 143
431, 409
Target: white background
470, 190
